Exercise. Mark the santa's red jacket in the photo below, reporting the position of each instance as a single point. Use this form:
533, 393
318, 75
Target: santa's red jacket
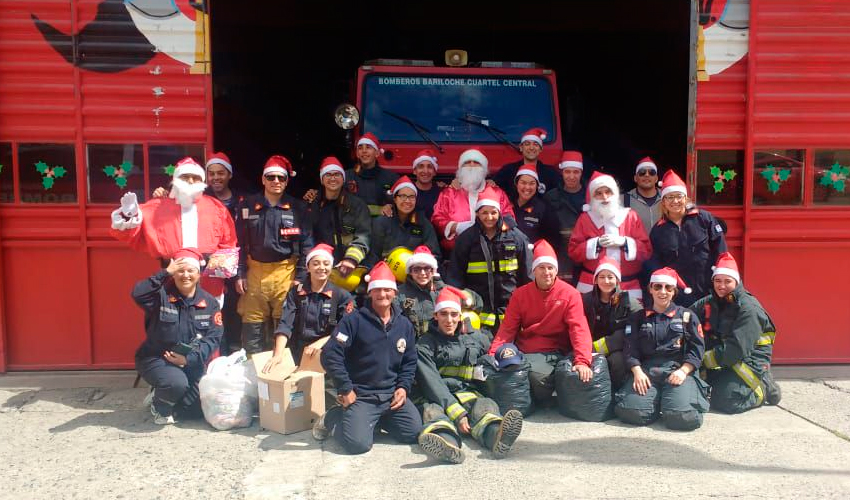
584, 248
458, 205
550, 321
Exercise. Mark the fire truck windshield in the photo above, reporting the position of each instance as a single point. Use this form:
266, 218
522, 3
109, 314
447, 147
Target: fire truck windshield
508, 104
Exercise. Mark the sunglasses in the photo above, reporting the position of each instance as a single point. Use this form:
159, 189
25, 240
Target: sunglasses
421, 269
646, 171
661, 286
271, 178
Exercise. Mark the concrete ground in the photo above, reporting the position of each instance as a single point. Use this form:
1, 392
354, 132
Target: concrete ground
85, 435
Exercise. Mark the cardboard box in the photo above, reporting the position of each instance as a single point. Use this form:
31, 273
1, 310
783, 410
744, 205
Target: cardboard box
290, 399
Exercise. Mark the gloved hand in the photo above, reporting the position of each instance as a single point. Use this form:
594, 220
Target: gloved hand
609, 240
129, 204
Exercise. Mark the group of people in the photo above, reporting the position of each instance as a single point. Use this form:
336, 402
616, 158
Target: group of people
559, 271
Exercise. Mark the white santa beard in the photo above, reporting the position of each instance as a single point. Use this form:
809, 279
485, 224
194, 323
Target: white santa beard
185, 194
606, 212
471, 178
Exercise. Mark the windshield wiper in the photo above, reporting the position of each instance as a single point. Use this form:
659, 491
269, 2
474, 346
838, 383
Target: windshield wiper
498, 134
422, 131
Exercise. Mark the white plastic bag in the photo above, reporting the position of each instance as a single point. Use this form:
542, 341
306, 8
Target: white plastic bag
229, 392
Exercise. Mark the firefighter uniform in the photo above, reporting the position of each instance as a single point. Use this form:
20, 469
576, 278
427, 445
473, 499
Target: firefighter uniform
445, 380
739, 348
273, 242
690, 248
660, 344
372, 359
537, 220
389, 233
417, 302
505, 178
343, 223
492, 268
566, 215
371, 185
607, 323
171, 318
310, 315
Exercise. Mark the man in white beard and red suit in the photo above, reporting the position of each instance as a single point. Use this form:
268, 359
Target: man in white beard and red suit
455, 209
607, 229
185, 219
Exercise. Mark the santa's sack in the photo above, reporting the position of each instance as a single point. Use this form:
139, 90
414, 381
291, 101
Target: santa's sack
229, 392
509, 388
590, 401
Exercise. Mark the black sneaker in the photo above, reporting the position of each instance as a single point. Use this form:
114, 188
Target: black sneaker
772, 391
509, 431
440, 448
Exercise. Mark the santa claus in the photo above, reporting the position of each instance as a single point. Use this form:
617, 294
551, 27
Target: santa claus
185, 219
455, 209
607, 229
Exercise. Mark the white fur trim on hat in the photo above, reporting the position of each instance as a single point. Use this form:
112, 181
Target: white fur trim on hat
544, 260
319, 253
369, 142
571, 164
533, 138
219, 161
420, 159
603, 180
472, 155
275, 169
420, 258
607, 267
333, 167
487, 203
673, 189
404, 185
381, 284
725, 271
647, 164
192, 262
526, 171
663, 278
447, 304
190, 168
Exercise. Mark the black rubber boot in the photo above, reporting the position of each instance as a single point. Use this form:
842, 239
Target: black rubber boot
443, 447
507, 433
252, 337
772, 391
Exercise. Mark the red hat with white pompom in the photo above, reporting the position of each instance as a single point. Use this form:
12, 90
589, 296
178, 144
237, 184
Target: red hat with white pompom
608, 264
426, 155
544, 254
189, 166
669, 276
220, 159
321, 250
422, 256
726, 266
277, 164
380, 277
403, 182
672, 183
331, 164
190, 256
537, 135
369, 139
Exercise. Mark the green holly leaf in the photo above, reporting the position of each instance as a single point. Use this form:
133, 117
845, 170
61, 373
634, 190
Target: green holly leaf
121, 182
784, 174
718, 186
59, 172
729, 175
826, 180
773, 187
47, 182
127, 167
839, 186
715, 171
768, 172
1, 167
169, 169
845, 171
109, 170
41, 167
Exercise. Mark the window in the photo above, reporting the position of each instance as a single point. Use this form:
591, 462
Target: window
832, 177
114, 169
720, 177
7, 194
161, 160
778, 177
48, 173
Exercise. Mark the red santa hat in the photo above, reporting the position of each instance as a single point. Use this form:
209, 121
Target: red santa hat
571, 159
369, 139
189, 166
726, 266
426, 155
598, 180
544, 254
449, 298
321, 250
331, 164
672, 183
277, 164
190, 256
488, 198
403, 182
421, 256
380, 277
646, 162
472, 155
220, 159
669, 276
527, 169
608, 264
537, 135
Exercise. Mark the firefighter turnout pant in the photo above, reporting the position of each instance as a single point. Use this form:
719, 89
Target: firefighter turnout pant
268, 284
174, 391
735, 389
354, 427
681, 407
482, 413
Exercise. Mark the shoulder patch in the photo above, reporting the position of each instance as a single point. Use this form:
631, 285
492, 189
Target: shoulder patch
341, 337
217, 318
718, 228
686, 316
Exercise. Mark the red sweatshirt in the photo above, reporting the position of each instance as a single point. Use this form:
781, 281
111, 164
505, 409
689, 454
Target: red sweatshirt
550, 321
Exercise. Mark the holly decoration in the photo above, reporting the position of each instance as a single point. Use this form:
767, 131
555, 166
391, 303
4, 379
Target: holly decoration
1, 167
775, 177
120, 173
721, 177
169, 169
836, 177
49, 175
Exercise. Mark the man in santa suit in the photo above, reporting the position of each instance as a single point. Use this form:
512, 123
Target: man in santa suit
455, 209
185, 219
607, 229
